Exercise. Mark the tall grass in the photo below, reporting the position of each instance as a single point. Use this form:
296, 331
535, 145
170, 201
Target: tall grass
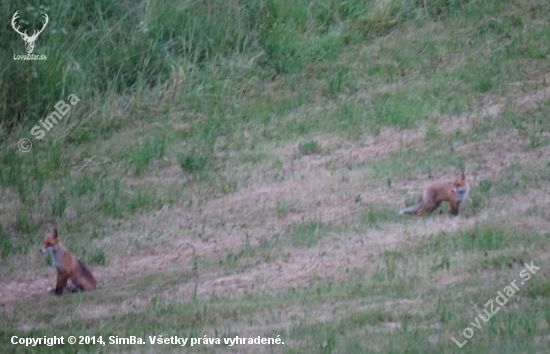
96, 48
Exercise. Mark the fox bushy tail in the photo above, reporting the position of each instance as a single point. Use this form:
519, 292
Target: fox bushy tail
412, 209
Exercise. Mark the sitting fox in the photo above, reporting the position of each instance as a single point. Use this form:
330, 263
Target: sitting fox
67, 266
452, 192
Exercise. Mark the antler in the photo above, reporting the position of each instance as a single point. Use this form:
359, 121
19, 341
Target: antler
35, 35
13, 19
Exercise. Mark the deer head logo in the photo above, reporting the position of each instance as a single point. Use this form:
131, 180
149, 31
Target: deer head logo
29, 40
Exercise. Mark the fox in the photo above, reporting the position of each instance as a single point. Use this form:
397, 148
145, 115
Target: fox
432, 197
68, 266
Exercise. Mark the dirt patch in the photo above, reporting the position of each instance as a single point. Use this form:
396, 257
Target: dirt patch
336, 259
332, 261
529, 101
502, 154
313, 191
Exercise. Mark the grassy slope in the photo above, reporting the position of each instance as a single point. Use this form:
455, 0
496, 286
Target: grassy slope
252, 189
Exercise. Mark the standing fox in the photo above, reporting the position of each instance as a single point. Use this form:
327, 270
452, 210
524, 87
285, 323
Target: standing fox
452, 192
67, 266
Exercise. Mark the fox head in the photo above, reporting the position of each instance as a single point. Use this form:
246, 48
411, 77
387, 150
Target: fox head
51, 242
460, 186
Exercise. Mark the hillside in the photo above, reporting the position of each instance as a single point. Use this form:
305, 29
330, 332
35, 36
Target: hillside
236, 168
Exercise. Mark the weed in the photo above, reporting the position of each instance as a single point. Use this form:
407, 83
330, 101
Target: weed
311, 147
306, 233
58, 204
6, 245
193, 163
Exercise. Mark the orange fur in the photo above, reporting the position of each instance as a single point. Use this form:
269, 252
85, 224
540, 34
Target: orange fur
68, 266
432, 197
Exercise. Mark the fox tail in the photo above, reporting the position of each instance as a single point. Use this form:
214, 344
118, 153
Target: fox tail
412, 209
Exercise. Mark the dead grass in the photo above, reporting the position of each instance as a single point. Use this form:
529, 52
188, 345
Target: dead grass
315, 193
182, 252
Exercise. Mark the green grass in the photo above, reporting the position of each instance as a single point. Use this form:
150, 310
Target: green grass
140, 156
307, 233
348, 331
176, 179
311, 147
481, 238
192, 163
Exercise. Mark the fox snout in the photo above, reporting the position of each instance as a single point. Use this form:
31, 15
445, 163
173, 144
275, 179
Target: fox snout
461, 193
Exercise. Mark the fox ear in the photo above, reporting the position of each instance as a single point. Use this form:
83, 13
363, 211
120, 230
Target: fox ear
462, 176
54, 233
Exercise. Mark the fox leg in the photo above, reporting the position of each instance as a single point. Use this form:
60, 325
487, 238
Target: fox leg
454, 207
428, 207
71, 286
62, 279
84, 280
